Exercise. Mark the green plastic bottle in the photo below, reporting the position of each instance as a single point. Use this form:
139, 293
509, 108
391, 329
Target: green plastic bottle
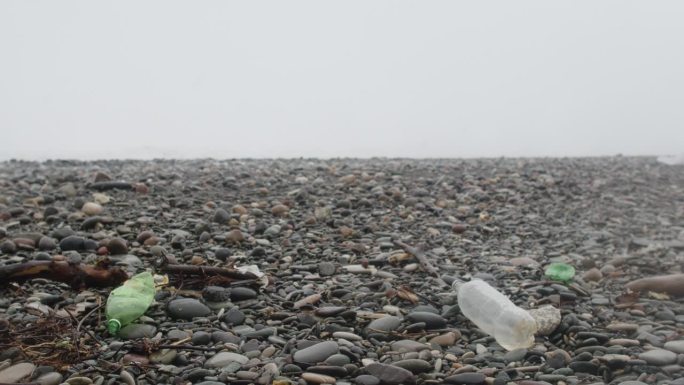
129, 301
560, 272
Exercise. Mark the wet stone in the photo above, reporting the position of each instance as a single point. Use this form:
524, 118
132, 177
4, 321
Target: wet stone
221, 216
366, 379
414, 365
326, 269
223, 359
390, 374
466, 379
659, 357
135, 331
201, 338
72, 242
16, 372
233, 316
515, 355
408, 346
338, 360
242, 294
187, 308
431, 320
52, 378
675, 346
316, 353
385, 324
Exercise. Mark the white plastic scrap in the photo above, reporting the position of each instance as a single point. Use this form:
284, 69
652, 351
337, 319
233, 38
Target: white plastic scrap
254, 269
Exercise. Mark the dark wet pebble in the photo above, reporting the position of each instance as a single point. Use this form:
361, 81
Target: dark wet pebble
201, 338
221, 216
117, 246
316, 353
366, 379
390, 374
414, 365
431, 320
187, 308
47, 243
135, 331
222, 254
326, 269
72, 242
466, 379
385, 324
234, 316
242, 294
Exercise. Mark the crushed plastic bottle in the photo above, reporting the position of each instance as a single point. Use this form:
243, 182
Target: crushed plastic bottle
560, 272
129, 301
512, 327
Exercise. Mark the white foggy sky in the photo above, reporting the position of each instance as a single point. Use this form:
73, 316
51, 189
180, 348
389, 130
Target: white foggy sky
224, 79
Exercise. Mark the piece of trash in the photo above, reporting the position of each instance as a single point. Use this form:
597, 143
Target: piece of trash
129, 301
547, 318
512, 327
254, 269
560, 272
160, 280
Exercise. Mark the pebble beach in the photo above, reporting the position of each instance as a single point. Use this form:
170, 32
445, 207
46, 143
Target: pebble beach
336, 298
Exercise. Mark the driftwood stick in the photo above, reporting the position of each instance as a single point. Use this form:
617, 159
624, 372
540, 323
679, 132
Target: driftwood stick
207, 270
78, 275
422, 258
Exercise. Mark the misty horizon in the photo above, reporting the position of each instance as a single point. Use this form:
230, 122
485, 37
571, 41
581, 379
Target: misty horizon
82, 80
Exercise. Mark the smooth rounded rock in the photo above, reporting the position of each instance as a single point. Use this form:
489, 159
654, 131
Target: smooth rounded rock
414, 365
16, 372
390, 374
92, 208
52, 378
187, 308
659, 357
117, 246
72, 242
221, 216
234, 316
242, 294
384, 324
47, 243
135, 331
466, 379
223, 359
367, 379
316, 353
675, 346
431, 320
315, 378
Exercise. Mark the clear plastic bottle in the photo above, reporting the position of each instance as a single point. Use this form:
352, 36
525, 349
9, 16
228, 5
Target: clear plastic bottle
512, 327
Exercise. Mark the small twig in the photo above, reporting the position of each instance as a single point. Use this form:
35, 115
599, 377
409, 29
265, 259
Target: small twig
90, 333
75, 336
422, 258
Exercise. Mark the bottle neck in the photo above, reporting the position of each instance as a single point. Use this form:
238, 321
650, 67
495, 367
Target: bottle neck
113, 326
456, 285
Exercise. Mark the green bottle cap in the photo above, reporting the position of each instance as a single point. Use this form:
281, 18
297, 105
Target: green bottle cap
560, 272
113, 326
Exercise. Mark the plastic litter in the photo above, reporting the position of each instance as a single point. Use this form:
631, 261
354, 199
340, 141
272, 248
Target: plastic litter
512, 327
254, 269
560, 272
129, 301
